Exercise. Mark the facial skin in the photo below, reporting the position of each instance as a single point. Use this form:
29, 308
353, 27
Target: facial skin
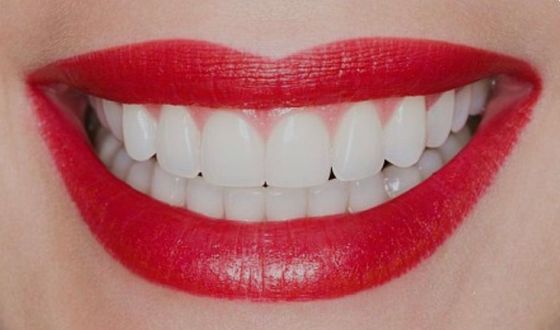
500, 270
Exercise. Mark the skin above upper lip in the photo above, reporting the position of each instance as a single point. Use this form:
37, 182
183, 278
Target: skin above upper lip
304, 259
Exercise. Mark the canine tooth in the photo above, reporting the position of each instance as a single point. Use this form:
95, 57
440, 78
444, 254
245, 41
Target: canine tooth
114, 114
462, 105
367, 193
178, 142
232, 152
168, 188
121, 163
205, 198
140, 132
399, 180
285, 203
298, 152
140, 176
358, 144
439, 118
405, 132
429, 163
97, 105
245, 204
450, 148
328, 198
480, 91
106, 146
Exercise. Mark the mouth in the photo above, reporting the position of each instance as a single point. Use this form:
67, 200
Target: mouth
313, 176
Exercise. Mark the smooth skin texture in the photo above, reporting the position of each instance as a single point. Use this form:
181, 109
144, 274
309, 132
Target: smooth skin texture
501, 269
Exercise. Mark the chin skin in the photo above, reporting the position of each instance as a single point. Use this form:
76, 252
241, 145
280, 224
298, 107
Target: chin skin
500, 270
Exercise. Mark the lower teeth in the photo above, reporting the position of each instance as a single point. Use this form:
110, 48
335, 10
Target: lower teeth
272, 203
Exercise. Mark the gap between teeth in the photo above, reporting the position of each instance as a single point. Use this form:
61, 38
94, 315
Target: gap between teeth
292, 150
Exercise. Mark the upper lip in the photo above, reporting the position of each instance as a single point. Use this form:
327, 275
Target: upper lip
201, 73
294, 260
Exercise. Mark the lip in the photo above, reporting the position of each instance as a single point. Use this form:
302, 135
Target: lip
304, 259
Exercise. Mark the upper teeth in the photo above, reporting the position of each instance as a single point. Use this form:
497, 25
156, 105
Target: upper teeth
288, 149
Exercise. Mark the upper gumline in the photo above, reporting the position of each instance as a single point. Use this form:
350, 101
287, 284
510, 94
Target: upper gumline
385, 105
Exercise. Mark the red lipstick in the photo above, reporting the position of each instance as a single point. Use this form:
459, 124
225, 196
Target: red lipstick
304, 259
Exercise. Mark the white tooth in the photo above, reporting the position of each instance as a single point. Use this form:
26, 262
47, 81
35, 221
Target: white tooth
245, 204
140, 176
405, 132
450, 148
121, 163
298, 152
232, 152
358, 144
399, 180
367, 193
140, 131
168, 188
439, 118
205, 198
429, 163
285, 203
106, 146
114, 114
97, 105
464, 136
178, 142
480, 91
327, 199
462, 105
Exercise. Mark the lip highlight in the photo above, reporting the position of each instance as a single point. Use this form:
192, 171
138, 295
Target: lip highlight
304, 259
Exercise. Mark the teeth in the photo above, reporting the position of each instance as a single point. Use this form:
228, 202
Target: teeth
114, 115
140, 176
367, 193
228, 171
450, 148
96, 104
399, 180
405, 132
298, 152
178, 142
106, 146
121, 164
480, 91
328, 198
246, 204
462, 105
464, 136
429, 163
439, 118
205, 198
232, 152
285, 203
168, 188
358, 144
140, 131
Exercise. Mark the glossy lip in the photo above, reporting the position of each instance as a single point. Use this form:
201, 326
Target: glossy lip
304, 259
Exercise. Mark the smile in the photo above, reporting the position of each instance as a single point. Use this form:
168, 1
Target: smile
313, 176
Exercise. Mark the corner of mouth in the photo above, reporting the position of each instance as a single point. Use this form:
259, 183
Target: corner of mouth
319, 175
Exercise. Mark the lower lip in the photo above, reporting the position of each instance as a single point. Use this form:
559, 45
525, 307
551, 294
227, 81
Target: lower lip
305, 259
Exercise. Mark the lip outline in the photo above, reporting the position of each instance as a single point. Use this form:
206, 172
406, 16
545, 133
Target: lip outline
236, 274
